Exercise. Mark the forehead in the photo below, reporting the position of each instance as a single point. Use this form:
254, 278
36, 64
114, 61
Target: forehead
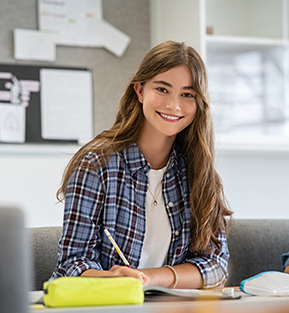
179, 75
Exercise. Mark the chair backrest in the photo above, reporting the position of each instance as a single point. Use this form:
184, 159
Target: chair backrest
14, 262
256, 246
44, 243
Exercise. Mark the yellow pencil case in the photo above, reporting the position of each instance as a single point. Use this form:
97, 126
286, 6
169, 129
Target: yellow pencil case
92, 291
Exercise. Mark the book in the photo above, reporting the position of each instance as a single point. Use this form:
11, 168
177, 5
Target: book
154, 292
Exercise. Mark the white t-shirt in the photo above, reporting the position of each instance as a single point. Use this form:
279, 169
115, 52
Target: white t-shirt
158, 229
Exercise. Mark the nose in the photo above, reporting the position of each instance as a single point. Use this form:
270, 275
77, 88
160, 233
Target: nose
173, 104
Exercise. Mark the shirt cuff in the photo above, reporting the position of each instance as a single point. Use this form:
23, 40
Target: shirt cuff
77, 268
212, 273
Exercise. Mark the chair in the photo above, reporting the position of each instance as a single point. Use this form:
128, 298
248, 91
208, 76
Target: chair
14, 262
44, 243
256, 246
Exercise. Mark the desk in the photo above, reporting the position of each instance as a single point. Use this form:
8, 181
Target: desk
247, 304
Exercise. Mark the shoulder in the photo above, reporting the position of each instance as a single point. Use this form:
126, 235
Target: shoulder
98, 162
129, 159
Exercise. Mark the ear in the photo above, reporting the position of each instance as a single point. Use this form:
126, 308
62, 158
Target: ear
138, 88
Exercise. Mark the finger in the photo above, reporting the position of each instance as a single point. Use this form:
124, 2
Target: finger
144, 278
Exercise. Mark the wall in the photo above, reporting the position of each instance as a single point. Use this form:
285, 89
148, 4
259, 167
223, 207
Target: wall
29, 180
169, 12
30, 175
255, 181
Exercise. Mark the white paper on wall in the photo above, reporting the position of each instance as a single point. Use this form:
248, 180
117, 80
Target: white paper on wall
34, 45
12, 123
66, 104
80, 23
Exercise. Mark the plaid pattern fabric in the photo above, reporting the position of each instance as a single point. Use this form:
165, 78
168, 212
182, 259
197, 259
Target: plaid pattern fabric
113, 197
285, 260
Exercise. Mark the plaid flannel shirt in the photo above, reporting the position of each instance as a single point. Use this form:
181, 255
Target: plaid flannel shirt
113, 197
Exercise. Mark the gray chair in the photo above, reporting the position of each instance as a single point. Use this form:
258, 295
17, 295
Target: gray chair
256, 246
14, 262
44, 244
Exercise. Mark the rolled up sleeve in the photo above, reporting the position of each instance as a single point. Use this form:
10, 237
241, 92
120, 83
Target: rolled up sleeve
77, 249
213, 267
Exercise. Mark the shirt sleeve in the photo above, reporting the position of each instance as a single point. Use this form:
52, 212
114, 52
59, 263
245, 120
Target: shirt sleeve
285, 260
213, 267
77, 249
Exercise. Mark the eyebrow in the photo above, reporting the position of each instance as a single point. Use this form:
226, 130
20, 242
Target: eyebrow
169, 85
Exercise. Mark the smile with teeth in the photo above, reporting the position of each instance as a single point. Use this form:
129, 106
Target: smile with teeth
170, 117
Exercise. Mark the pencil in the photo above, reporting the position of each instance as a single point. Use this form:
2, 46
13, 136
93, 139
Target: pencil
116, 247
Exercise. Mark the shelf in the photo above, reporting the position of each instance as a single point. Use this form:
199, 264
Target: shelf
255, 18
38, 150
230, 44
252, 150
262, 144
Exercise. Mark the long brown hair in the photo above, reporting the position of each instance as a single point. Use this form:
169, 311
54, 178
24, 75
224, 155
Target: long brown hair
207, 200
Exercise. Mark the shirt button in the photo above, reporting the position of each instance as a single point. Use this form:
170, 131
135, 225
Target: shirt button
168, 175
171, 204
176, 232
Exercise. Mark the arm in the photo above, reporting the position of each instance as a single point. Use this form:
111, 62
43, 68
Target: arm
77, 247
78, 252
189, 277
213, 267
196, 272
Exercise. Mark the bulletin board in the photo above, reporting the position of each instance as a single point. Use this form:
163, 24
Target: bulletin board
41, 104
110, 72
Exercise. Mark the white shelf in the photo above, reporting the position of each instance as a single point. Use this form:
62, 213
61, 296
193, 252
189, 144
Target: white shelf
221, 44
256, 18
261, 144
39, 150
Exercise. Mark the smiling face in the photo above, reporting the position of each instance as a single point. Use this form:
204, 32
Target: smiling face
169, 102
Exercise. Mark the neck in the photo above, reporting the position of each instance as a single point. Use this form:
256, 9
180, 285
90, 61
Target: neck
155, 150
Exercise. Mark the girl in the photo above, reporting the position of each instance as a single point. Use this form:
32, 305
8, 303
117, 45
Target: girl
150, 180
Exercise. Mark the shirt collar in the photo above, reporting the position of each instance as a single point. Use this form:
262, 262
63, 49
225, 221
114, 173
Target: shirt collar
135, 159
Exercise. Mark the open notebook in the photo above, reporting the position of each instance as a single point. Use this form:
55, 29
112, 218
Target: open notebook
156, 293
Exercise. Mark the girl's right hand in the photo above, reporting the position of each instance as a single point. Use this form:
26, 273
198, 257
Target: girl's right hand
120, 271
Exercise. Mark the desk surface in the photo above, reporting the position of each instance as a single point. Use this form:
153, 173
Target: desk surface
247, 304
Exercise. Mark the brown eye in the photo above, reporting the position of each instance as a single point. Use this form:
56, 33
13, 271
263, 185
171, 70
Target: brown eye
188, 95
162, 89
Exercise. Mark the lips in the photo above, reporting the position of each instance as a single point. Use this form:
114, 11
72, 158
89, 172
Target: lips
170, 117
